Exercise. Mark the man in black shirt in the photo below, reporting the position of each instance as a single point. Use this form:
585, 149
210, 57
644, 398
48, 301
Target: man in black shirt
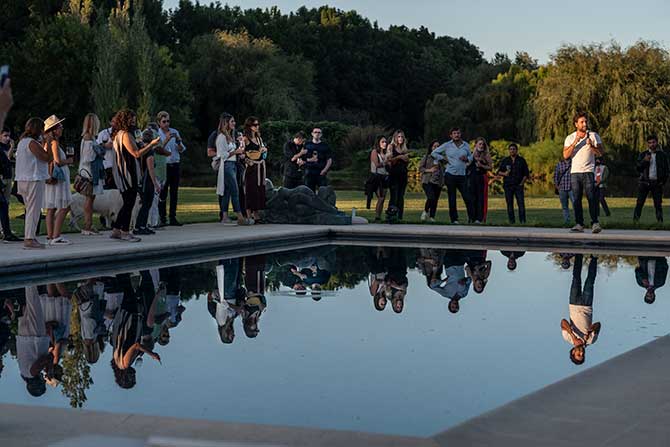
318, 162
6, 149
294, 160
653, 166
514, 171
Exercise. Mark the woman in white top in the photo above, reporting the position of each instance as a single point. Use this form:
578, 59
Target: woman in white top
32, 170
57, 197
87, 155
226, 180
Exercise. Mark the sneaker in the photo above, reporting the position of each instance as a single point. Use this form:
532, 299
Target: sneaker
175, 223
143, 231
91, 232
11, 237
60, 240
251, 221
225, 219
129, 238
577, 229
32, 244
455, 222
596, 228
431, 220
424, 216
476, 222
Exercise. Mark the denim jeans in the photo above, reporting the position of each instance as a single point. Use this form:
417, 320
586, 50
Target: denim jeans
566, 197
583, 183
583, 296
458, 183
231, 193
512, 192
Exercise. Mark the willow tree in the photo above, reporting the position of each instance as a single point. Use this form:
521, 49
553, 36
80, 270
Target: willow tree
625, 92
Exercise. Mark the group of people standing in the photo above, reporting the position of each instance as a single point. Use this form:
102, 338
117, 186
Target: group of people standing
120, 160
452, 164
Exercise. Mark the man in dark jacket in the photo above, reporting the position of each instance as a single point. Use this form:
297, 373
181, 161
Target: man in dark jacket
651, 274
514, 171
6, 149
294, 160
653, 167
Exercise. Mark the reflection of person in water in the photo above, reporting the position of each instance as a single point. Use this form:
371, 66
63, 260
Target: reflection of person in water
478, 269
455, 285
397, 278
32, 344
92, 320
377, 261
580, 331
130, 326
512, 256
56, 306
254, 302
651, 274
223, 303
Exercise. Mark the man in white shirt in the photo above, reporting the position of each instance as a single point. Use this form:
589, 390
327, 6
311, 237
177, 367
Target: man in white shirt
32, 344
172, 142
580, 331
458, 156
582, 146
653, 166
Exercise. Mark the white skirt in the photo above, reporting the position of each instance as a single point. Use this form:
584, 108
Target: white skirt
58, 195
57, 309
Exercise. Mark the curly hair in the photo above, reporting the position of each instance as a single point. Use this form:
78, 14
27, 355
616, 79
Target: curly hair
125, 378
123, 120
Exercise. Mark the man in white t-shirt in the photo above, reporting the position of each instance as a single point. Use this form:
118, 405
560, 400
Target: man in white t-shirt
580, 331
582, 146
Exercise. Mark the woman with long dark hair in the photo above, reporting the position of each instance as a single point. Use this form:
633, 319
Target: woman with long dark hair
126, 170
32, 169
397, 160
479, 179
378, 180
255, 153
432, 180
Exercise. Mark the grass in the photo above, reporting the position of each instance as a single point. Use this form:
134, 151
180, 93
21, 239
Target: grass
199, 205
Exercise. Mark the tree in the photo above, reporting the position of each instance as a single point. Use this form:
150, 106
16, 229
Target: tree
625, 92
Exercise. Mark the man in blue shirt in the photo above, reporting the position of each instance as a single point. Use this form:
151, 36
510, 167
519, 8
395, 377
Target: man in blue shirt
171, 141
458, 156
318, 161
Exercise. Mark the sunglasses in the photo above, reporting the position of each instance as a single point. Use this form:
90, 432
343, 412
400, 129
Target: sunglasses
256, 124
165, 121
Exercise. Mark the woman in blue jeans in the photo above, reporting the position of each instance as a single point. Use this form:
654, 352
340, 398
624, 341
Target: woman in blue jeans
224, 147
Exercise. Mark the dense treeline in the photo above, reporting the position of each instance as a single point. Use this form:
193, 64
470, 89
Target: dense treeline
322, 64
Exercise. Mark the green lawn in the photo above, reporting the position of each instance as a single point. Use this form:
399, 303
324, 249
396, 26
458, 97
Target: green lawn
200, 205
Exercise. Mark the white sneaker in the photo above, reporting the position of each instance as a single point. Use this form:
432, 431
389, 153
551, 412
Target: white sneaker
424, 216
596, 228
577, 229
455, 222
477, 222
60, 240
432, 219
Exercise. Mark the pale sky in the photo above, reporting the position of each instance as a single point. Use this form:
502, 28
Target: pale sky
536, 26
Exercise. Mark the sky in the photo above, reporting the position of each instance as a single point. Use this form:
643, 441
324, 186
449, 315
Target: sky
536, 26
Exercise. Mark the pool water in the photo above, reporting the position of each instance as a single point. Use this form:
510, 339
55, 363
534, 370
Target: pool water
309, 347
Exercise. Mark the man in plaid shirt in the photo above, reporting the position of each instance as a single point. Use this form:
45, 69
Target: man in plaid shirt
563, 185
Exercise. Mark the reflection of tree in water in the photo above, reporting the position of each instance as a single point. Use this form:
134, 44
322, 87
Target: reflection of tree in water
76, 371
609, 262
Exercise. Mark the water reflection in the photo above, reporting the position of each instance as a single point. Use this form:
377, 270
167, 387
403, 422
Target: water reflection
56, 332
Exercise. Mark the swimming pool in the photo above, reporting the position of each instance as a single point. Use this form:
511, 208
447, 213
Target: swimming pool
388, 340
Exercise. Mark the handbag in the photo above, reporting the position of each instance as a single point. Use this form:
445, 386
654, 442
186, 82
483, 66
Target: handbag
83, 185
216, 164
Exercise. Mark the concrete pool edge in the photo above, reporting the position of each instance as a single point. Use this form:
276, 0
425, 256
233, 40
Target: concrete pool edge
623, 401
206, 239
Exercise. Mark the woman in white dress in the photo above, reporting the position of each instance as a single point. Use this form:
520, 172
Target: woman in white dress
57, 197
87, 156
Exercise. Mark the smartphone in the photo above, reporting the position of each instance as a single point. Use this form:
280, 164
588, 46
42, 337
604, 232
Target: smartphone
4, 74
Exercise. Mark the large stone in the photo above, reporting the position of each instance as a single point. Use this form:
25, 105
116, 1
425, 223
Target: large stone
302, 206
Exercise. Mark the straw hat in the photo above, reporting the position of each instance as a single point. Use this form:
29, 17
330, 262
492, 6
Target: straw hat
51, 122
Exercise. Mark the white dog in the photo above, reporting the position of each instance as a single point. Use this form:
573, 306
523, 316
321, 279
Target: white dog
107, 205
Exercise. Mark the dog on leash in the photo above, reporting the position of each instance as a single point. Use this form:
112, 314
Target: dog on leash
107, 205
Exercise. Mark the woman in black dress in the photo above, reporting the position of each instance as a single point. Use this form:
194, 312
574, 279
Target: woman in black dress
255, 153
